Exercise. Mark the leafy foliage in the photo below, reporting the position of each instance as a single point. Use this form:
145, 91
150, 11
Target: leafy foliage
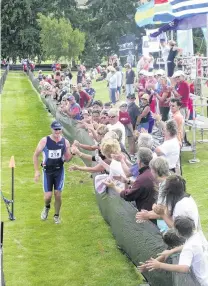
58, 38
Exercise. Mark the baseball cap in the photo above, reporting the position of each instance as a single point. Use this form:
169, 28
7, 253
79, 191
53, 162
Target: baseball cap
178, 73
131, 96
56, 125
71, 97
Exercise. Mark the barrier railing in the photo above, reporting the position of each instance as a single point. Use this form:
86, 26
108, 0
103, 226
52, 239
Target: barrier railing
139, 241
71, 129
3, 78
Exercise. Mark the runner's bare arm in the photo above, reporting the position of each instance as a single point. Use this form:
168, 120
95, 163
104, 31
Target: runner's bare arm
38, 150
67, 155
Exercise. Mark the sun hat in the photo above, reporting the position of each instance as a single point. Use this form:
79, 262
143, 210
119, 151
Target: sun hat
178, 73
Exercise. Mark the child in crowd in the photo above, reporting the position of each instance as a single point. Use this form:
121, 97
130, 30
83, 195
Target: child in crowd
194, 254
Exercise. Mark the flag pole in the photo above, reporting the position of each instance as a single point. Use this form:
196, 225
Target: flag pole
12, 166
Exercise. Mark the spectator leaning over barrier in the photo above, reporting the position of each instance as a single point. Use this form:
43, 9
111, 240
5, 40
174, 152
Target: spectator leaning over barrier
113, 116
171, 146
85, 99
160, 170
89, 90
177, 202
143, 190
192, 257
97, 105
73, 109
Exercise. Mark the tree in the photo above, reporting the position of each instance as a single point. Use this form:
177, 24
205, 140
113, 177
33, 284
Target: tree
20, 32
59, 39
107, 21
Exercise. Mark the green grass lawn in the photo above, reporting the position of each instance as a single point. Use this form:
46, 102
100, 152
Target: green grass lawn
82, 250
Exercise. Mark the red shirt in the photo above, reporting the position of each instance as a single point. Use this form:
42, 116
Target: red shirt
184, 91
165, 103
84, 98
192, 88
124, 117
58, 67
190, 105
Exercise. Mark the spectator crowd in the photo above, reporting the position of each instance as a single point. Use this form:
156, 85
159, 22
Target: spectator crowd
137, 150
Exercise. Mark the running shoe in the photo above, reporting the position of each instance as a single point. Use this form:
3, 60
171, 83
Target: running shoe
44, 213
57, 219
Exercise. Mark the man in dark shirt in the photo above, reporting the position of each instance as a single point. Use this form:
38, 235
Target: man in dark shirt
134, 112
143, 190
79, 75
130, 76
133, 109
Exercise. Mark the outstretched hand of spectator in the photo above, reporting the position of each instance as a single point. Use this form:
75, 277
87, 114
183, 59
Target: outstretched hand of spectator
159, 209
120, 178
143, 130
157, 117
76, 143
118, 157
152, 264
74, 150
142, 267
142, 216
109, 183
73, 168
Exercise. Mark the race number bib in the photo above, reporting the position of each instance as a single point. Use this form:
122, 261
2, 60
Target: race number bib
54, 154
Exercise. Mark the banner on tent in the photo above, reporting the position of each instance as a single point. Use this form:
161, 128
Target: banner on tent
127, 45
150, 44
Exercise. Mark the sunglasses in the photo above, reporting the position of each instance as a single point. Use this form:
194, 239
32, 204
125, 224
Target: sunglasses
57, 129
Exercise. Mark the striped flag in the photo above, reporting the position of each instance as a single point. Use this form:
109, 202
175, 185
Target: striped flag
163, 11
188, 8
145, 13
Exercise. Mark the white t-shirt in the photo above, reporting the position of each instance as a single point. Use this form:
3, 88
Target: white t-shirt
119, 78
195, 256
113, 81
120, 126
187, 207
171, 150
117, 170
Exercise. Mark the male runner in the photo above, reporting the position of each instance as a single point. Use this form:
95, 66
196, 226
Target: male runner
56, 150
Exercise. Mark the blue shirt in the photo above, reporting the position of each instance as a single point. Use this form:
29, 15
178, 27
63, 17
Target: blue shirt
90, 91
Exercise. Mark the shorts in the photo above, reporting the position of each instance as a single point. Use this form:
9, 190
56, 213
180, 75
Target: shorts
128, 131
53, 180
